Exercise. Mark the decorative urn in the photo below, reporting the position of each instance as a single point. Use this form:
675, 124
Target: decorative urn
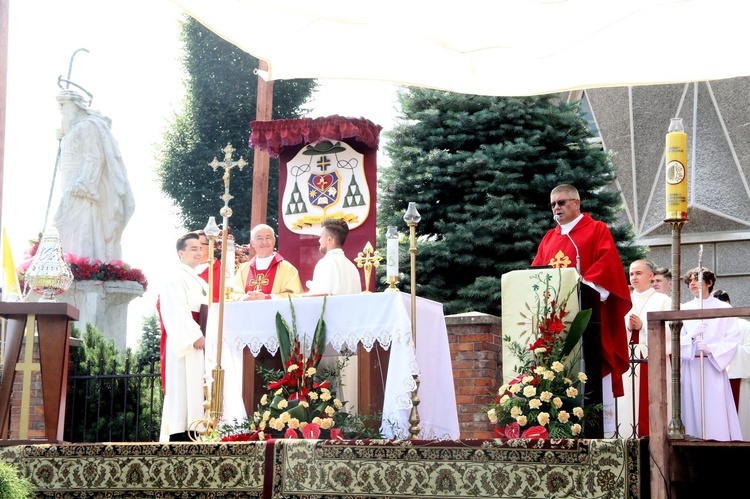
49, 274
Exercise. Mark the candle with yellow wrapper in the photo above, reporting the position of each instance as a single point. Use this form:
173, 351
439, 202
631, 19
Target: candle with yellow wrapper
676, 171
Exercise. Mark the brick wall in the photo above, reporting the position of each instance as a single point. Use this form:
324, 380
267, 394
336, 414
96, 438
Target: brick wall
475, 342
36, 408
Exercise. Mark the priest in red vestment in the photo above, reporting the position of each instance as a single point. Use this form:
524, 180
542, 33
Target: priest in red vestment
578, 238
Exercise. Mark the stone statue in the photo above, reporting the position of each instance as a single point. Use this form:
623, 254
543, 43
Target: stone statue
97, 201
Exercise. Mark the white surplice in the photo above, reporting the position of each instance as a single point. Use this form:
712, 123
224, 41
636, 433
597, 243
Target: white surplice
722, 337
182, 294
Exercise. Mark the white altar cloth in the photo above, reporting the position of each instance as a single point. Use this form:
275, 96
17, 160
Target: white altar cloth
350, 319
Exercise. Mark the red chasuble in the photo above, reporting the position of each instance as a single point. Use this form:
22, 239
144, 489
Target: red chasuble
262, 280
601, 265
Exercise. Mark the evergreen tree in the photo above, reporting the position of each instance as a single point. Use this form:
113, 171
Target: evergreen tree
149, 344
112, 396
480, 170
220, 103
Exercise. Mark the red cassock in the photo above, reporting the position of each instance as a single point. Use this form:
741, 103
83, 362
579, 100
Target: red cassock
217, 280
601, 265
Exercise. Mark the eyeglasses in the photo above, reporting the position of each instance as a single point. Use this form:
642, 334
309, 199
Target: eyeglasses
559, 202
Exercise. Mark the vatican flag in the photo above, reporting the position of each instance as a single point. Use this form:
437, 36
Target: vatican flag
11, 288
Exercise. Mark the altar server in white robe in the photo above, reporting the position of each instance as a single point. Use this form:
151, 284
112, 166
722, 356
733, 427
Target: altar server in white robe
181, 298
335, 274
717, 339
635, 382
739, 370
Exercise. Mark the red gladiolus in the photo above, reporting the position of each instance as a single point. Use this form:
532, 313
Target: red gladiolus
311, 431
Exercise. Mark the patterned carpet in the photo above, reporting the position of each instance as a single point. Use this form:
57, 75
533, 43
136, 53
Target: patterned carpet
308, 469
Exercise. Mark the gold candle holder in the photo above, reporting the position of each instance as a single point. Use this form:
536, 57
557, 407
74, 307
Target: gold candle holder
392, 280
412, 218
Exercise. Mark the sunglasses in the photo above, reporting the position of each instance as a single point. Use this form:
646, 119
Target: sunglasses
559, 202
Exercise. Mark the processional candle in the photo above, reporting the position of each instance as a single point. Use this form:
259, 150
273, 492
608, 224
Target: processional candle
676, 171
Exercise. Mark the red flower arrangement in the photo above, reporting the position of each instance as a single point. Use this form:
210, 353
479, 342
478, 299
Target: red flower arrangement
544, 400
300, 403
87, 269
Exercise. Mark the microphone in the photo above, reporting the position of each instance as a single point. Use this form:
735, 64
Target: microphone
578, 253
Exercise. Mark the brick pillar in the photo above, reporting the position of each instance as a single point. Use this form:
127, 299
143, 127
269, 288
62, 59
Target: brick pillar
475, 341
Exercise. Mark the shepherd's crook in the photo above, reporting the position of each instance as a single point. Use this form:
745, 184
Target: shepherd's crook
703, 380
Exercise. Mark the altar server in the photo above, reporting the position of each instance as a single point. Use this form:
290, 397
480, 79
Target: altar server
717, 341
181, 298
645, 299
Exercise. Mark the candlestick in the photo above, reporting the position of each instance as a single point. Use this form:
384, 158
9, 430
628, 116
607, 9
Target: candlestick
412, 218
391, 237
676, 171
229, 276
391, 251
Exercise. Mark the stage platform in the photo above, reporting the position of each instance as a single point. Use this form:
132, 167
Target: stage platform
508, 468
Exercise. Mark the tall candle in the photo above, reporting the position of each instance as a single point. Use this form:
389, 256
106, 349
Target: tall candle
676, 171
230, 262
392, 252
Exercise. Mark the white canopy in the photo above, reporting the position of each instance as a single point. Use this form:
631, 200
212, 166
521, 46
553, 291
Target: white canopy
489, 47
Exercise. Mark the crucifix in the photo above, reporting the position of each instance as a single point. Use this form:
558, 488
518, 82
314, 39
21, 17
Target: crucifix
217, 389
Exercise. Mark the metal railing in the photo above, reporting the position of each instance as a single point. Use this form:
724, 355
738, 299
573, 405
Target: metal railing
111, 402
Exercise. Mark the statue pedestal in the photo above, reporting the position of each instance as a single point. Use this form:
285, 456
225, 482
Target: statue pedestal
102, 303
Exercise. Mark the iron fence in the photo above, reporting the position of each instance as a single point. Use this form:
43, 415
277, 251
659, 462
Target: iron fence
111, 402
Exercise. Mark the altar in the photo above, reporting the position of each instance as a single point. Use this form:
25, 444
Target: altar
350, 320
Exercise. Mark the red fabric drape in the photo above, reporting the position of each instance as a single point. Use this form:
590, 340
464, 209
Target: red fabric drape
272, 136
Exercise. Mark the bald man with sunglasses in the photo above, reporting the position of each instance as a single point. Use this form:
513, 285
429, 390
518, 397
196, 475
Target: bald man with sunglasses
577, 239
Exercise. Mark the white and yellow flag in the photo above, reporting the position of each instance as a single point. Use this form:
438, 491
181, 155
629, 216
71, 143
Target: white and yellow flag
11, 287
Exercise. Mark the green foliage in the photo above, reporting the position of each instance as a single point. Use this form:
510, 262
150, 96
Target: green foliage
480, 169
12, 485
150, 342
220, 103
113, 397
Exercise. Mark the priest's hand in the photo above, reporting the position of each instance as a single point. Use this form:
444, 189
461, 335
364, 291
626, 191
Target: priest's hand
635, 323
200, 343
254, 295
